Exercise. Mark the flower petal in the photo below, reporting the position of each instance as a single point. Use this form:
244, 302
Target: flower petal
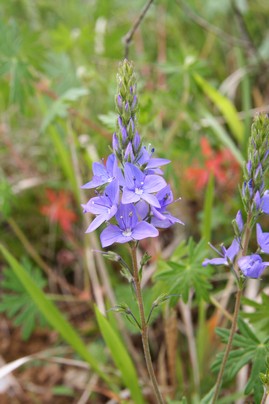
153, 183
143, 230
262, 239
111, 165
126, 217
233, 250
133, 176
110, 235
151, 199
96, 223
265, 203
94, 183
215, 261
129, 196
252, 265
99, 169
157, 162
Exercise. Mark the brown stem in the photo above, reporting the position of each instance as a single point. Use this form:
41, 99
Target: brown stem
129, 36
144, 326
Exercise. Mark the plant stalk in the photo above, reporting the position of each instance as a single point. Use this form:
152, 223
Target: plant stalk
264, 397
239, 293
144, 326
229, 344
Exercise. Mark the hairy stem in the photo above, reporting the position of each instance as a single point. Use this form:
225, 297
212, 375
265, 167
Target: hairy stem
144, 326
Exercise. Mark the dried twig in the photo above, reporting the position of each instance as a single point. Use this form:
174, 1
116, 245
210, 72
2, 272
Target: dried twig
129, 36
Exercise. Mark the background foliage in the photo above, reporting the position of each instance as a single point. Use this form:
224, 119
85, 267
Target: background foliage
202, 72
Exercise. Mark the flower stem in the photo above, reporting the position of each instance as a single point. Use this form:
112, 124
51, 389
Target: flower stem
243, 252
229, 345
144, 327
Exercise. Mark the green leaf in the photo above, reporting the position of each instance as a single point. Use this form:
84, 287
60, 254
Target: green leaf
120, 357
225, 106
52, 314
185, 272
109, 120
223, 136
250, 349
259, 317
16, 302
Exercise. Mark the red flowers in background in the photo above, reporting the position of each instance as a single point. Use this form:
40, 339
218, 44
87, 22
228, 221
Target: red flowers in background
221, 164
58, 209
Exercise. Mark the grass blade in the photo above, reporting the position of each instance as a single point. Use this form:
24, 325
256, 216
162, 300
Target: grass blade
120, 357
52, 314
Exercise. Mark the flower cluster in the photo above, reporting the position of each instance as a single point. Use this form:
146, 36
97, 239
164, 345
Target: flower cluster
131, 194
256, 201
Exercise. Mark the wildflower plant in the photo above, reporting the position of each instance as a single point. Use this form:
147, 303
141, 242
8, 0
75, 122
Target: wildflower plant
243, 263
132, 197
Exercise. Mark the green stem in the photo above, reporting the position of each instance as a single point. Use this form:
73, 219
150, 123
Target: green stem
243, 252
229, 345
144, 326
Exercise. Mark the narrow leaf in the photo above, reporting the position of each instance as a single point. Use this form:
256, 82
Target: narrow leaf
120, 357
52, 314
225, 106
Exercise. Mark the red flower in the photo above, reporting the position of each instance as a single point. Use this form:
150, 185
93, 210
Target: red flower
221, 164
58, 209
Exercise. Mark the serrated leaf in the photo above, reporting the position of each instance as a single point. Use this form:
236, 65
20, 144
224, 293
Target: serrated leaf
187, 273
16, 302
250, 349
259, 317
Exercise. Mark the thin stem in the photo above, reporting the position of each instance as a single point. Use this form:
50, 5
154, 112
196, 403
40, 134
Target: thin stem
129, 36
228, 346
264, 397
144, 326
243, 252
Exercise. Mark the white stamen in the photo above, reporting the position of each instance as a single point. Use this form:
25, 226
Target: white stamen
138, 191
127, 233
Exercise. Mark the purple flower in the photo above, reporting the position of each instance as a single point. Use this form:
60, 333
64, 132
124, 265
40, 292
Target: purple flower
252, 265
141, 186
129, 155
151, 165
136, 142
265, 202
128, 229
239, 221
161, 217
103, 173
257, 201
104, 206
262, 239
115, 143
227, 256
